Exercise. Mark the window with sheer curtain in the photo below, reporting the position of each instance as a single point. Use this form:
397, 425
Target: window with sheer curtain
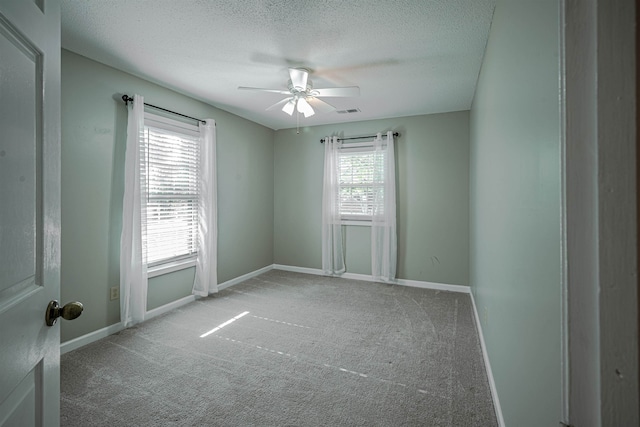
169, 206
170, 162
359, 189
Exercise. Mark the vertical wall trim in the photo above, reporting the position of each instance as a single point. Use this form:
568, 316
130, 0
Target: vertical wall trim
637, 100
617, 236
579, 34
564, 333
602, 239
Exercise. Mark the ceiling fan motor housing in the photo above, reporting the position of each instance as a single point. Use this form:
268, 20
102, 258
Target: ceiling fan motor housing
296, 91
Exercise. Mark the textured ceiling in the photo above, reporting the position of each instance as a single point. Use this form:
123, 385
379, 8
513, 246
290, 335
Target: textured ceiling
408, 57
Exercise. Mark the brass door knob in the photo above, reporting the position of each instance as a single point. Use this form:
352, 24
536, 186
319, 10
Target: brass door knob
70, 311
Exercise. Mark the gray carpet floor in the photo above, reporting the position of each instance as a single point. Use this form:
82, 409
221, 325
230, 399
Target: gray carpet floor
311, 351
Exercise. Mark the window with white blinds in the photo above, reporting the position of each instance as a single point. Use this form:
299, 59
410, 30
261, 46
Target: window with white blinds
170, 168
358, 183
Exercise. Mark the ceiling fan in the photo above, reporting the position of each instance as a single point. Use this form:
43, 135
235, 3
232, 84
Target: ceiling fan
302, 96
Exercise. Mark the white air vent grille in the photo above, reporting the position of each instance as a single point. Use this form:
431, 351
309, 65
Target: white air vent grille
348, 111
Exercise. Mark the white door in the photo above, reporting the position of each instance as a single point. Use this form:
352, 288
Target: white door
29, 211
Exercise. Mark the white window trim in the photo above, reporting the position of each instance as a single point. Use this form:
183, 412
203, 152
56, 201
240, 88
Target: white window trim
360, 146
358, 223
171, 124
170, 265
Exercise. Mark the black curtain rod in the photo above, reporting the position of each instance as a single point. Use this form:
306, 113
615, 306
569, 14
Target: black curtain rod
396, 134
127, 98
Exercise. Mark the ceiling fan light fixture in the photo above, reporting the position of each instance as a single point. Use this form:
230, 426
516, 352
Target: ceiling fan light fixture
289, 107
305, 108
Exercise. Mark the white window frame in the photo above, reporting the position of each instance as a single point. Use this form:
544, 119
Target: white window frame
361, 147
168, 265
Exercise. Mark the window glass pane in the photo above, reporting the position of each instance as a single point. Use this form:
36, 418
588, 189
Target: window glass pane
358, 183
171, 170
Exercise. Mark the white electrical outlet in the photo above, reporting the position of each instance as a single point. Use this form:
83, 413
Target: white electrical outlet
115, 293
485, 315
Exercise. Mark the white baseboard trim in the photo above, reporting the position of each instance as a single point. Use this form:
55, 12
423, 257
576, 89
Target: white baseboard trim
487, 364
433, 285
168, 307
244, 277
295, 269
356, 276
75, 343
367, 277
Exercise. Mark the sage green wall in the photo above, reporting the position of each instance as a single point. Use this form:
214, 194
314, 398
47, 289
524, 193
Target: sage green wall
432, 160
516, 211
93, 140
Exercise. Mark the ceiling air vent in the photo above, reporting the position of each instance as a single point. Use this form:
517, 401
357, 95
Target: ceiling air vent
349, 111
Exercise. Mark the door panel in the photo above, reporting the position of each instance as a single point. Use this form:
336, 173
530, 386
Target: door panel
29, 211
20, 408
20, 101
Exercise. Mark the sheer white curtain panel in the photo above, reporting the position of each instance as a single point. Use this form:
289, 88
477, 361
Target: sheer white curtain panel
332, 251
133, 262
383, 221
206, 278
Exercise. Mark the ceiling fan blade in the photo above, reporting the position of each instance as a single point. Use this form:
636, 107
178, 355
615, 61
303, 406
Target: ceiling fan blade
278, 104
299, 78
283, 92
319, 105
348, 91
305, 108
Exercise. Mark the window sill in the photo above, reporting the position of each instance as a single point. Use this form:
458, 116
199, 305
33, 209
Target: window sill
170, 267
354, 222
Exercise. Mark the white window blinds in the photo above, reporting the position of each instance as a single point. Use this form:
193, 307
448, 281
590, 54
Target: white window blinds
171, 157
358, 183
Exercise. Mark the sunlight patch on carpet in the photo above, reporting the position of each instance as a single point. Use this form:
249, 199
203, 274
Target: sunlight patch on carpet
281, 322
222, 325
